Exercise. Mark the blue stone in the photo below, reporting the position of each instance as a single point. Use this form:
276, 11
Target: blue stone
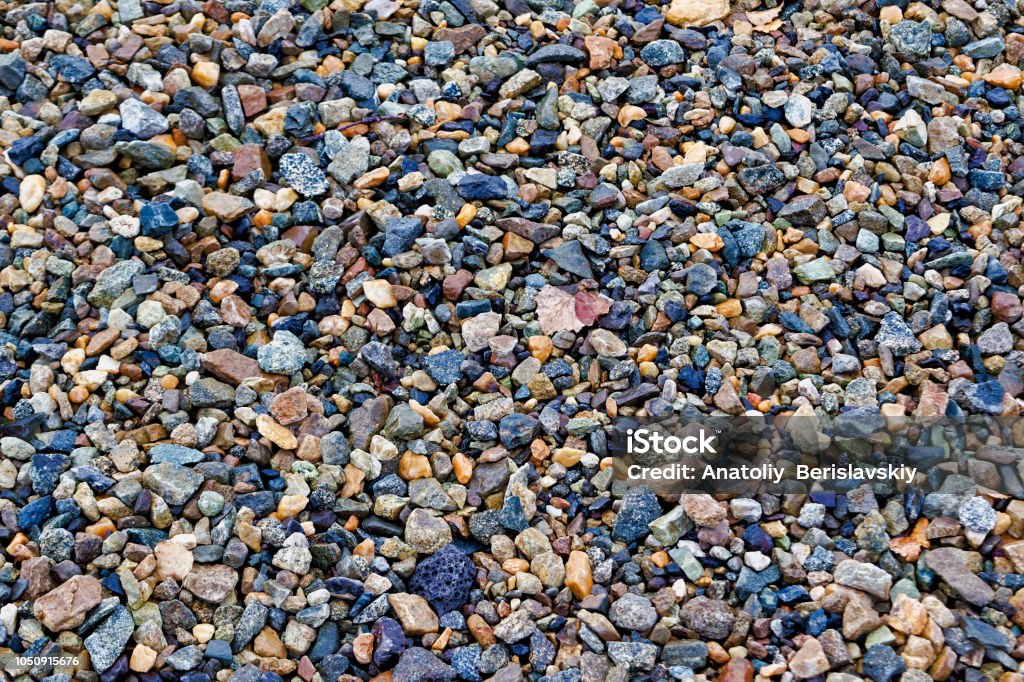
157, 219
444, 579
46, 470
639, 507
988, 181
516, 430
400, 234
444, 367
477, 186
219, 650
35, 512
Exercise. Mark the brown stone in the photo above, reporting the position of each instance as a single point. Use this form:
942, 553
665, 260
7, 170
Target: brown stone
290, 406
1006, 307
454, 285
225, 206
602, 51
36, 572
101, 341
250, 157
254, 99
737, 670
703, 509
66, 606
463, 37
950, 564
230, 366
480, 630
515, 246
859, 618
269, 644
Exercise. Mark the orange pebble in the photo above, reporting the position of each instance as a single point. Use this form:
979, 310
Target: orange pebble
101, 528
365, 549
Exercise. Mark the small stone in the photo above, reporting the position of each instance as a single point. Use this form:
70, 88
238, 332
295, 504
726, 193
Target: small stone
810, 661
414, 613
66, 606
141, 120
31, 192
378, 292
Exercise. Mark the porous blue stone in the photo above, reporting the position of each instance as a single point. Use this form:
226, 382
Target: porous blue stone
444, 579
444, 367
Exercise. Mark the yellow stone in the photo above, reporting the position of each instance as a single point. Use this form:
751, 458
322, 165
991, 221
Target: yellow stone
378, 176
142, 659
707, 240
463, 468
412, 466
540, 347
936, 338
938, 223
729, 308
685, 13
578, 576
630, 113
206, 74
1004, 76
466, 214
275, 433
291, 505
271, 123
204, 632
568, 457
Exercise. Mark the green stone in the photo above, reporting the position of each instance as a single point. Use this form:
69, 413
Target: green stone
882, 635
817, 270
443, 163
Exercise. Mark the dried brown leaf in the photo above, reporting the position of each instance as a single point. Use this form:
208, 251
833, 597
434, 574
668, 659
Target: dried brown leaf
556, 310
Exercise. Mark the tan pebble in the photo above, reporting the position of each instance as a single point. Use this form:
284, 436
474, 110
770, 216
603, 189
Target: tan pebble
379, 293
142, 659
362, 647
203, 632
630, 113
31, 192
